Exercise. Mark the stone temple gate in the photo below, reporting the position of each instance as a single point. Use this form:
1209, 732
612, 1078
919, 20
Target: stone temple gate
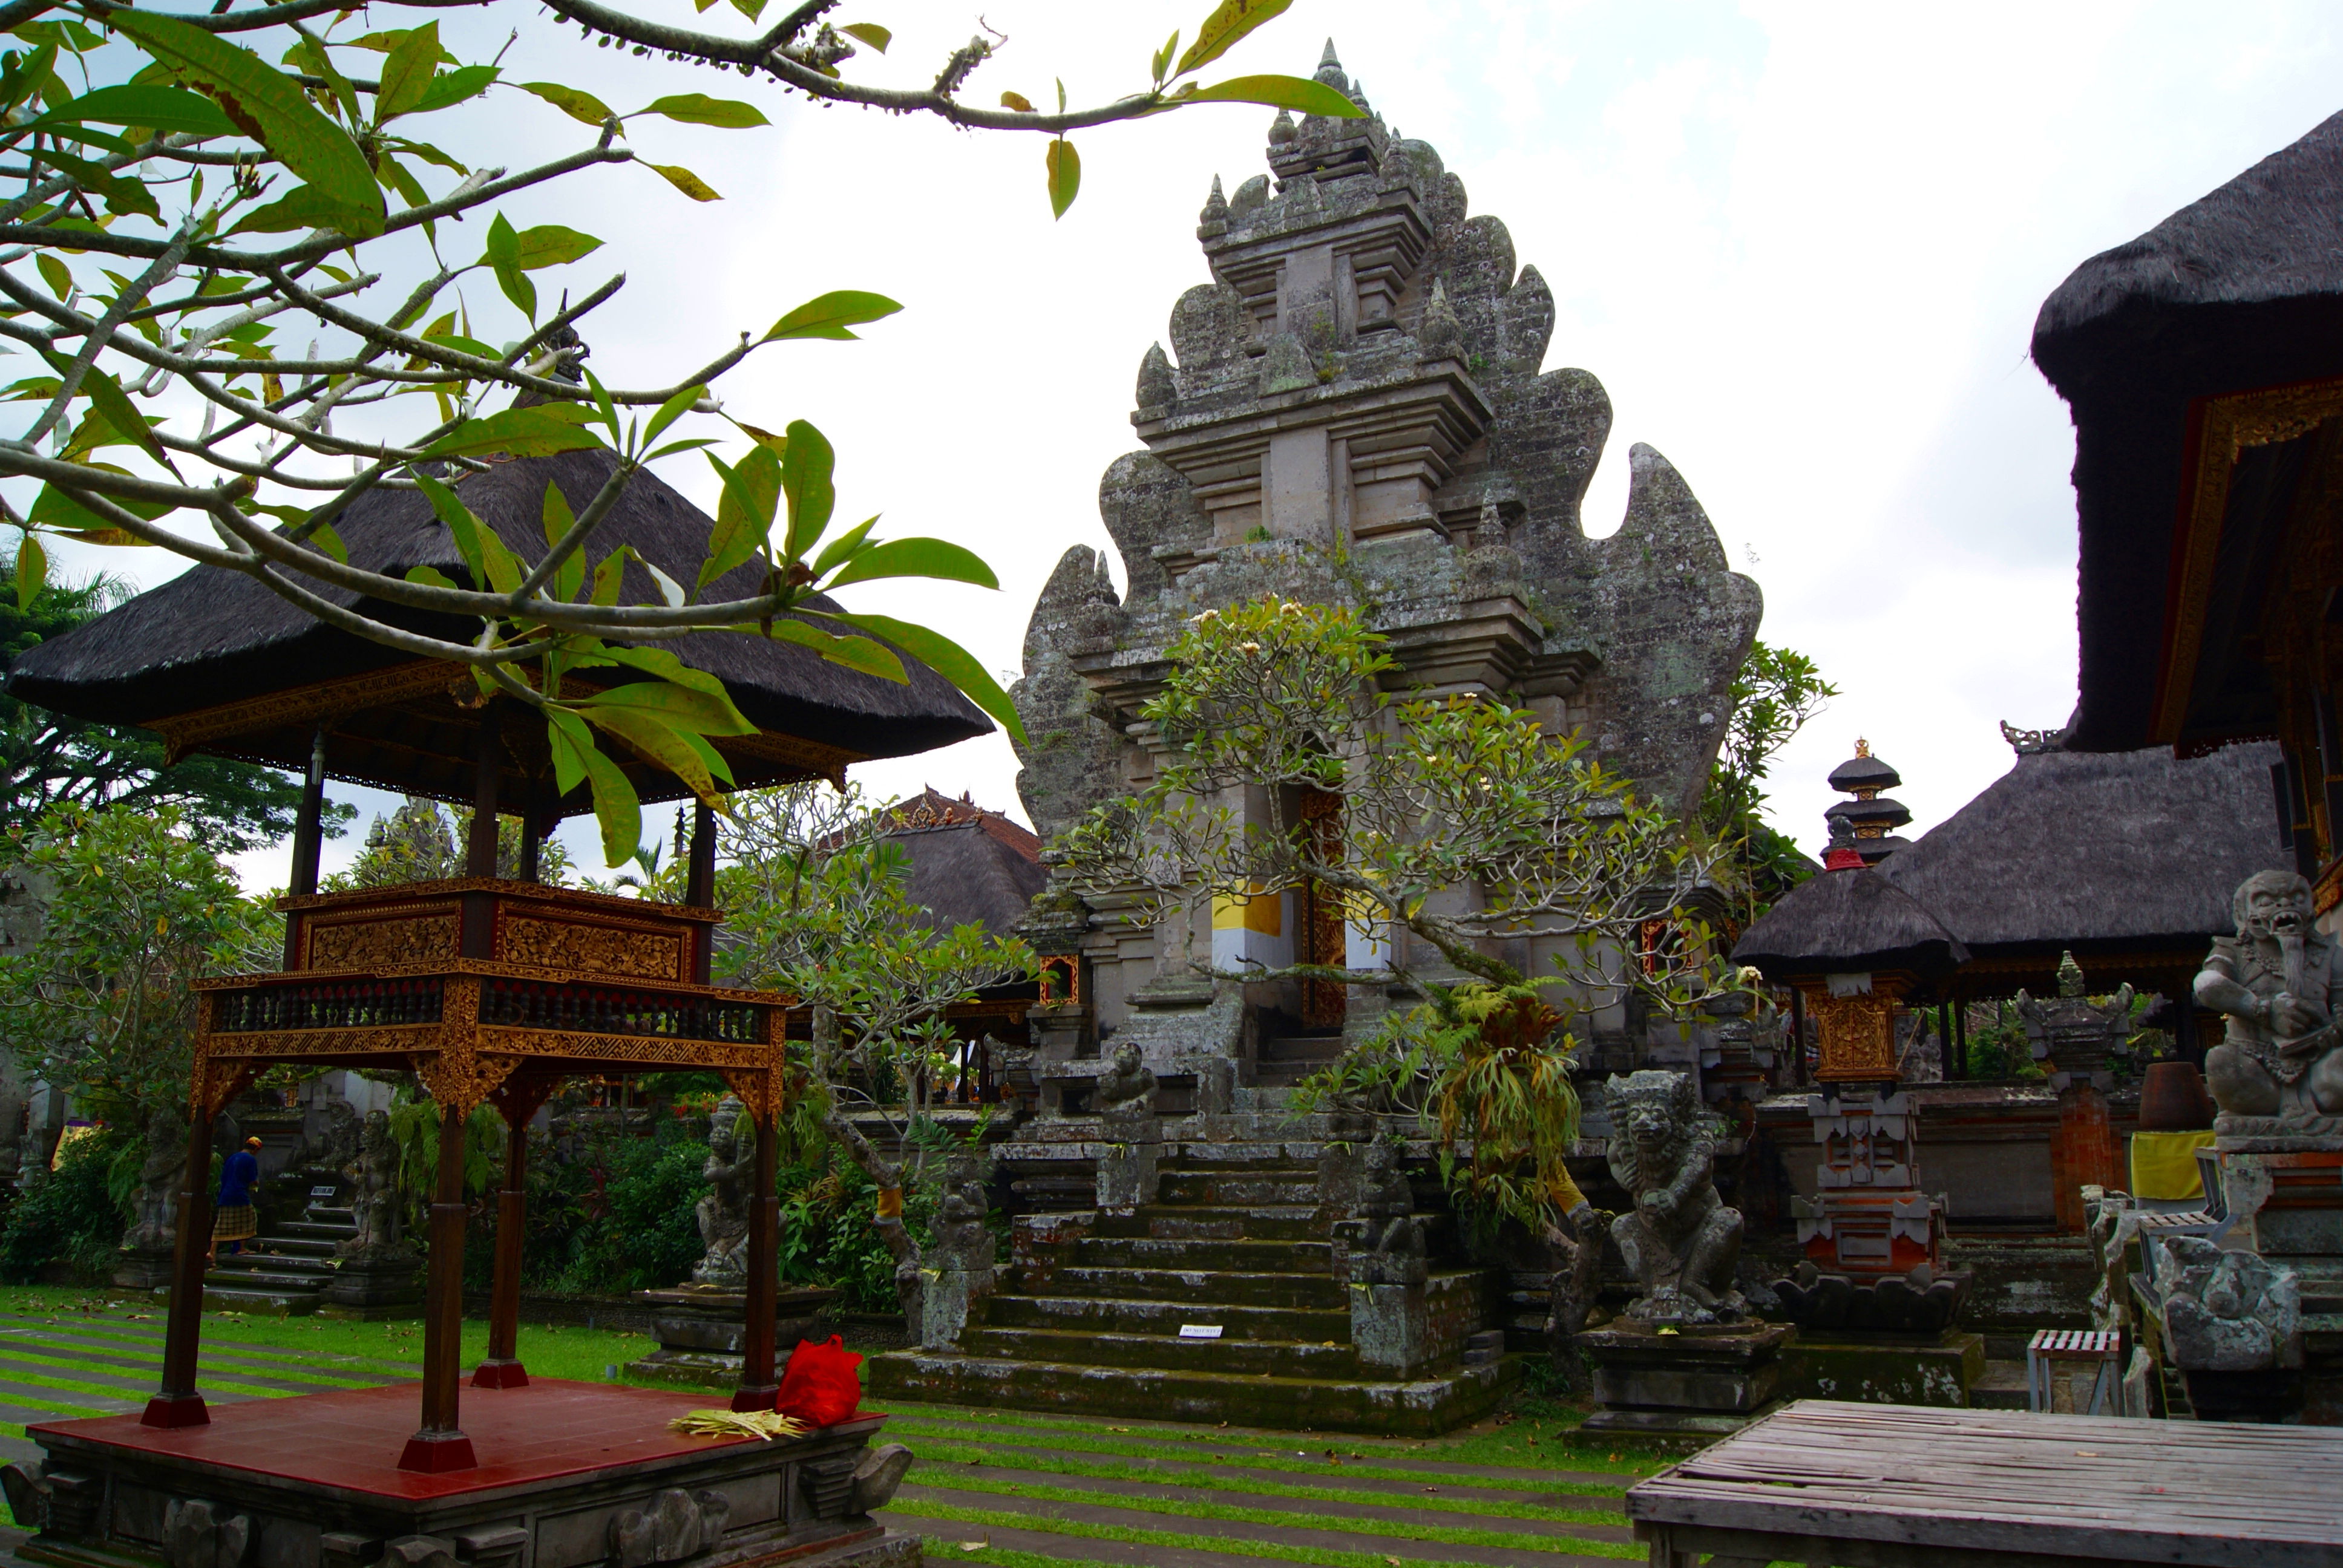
1353, 410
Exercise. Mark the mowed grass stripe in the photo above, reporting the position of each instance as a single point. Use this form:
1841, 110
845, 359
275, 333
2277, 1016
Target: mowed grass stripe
905, 1512
1349, 1524
1252, 1459
1429, 1449
292, 1380
216, 1336
124, 1383
1381, 1494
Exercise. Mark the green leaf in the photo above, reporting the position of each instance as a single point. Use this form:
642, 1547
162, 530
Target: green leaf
709, 713
430, 577
536, 432
113, 403
831, 315
776, 445
270, 106
578, 106
452, 88
699, 109
669, 412
324, 536
807, 481
173, 111
671, 590
550, 244
308, 54
869, 32
460, 522
122, 195
849, 652
302, 207
653, 660
916, 558
385, 42
503, 255
570, 575
947, 658
1299, 93
684, 180
1162, 61
650, 733
565, 733
56, 274
1230, 21
841, 547
407, 74
1065, 167
608, 577
616, 805
751, 499
55, 510
32, 571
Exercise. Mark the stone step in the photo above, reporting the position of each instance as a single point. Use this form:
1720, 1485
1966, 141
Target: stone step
1088, 1315
1260, 1222
309, 1230
327, 1214
270, 1303
279, 1261
2002, 1387
274, 1281
1242, 1188
1421, 1408
1213, 1286
300, 1247
1251, 1358
1185, 1252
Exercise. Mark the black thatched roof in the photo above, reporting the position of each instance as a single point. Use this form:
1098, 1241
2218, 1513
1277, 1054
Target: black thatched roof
218, 663
2115, 853
969, 865
2241, 290
1844, 921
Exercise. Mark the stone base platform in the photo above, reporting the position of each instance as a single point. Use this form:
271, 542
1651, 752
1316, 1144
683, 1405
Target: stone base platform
1426, 1406
700, 1331
570, 1474
1887, 1369
1697, 1381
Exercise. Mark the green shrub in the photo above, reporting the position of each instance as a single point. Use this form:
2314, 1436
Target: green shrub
72, 1216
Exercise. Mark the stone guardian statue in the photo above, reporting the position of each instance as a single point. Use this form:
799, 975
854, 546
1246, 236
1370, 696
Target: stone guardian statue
724, 1212
2280, 984
1680, 1239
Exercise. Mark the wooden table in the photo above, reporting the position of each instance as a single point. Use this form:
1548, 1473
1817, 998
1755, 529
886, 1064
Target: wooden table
1903, 1486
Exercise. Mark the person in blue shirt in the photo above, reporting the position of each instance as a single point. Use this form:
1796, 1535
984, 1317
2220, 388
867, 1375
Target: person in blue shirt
234, 1219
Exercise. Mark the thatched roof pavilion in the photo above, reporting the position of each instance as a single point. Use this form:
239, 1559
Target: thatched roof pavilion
2126, 859
214, 662
969, 865
2204, 364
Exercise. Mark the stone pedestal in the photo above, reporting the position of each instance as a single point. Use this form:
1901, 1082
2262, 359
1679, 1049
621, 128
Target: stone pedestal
700, 1331
1696, 1382
2286, 1185
1127, 1174
375, 1289
1887, 1369
144, 1268
1391, 1311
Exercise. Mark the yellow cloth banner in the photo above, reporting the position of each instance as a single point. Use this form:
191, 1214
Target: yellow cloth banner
2163, 1164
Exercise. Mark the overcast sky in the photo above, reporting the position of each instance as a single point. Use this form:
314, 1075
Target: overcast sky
1802, 245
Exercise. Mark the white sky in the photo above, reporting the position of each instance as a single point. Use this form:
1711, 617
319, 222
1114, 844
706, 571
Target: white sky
1802, 245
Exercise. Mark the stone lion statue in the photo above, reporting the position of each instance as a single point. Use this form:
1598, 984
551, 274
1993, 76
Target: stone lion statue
1126, 1092
1680, 1239
2280, 982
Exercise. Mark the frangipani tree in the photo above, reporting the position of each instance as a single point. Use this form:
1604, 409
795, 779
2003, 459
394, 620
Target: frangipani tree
1458, 823
189, 184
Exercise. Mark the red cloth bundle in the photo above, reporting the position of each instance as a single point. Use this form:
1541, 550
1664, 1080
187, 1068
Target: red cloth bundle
821, 1386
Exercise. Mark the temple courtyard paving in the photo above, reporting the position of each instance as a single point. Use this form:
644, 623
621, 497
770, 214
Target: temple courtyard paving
997, 1487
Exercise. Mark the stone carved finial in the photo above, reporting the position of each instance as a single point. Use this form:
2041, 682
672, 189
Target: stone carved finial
2279, 1069
1286, 367
1251, 197
1281, 129
1157, 388
1329, 69
1439, 331
2070, 975
1681, 1241
2073, 1034
1491, 524
1216, 206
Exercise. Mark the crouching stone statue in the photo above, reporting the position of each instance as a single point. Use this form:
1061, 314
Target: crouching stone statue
2280, 983
1680, 1239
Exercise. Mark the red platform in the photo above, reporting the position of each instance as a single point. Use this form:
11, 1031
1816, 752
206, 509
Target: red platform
349, 1440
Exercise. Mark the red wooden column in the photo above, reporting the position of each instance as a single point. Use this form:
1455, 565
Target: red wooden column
502, 1368
177, 1403
441, 1444
758, 1383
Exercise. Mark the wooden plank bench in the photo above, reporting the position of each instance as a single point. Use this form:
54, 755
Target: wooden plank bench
1901, 1486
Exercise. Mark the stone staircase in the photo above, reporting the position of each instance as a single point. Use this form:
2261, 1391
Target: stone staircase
1087, 1313
290, 1277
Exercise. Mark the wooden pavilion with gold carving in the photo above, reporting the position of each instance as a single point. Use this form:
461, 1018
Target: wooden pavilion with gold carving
490, 990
